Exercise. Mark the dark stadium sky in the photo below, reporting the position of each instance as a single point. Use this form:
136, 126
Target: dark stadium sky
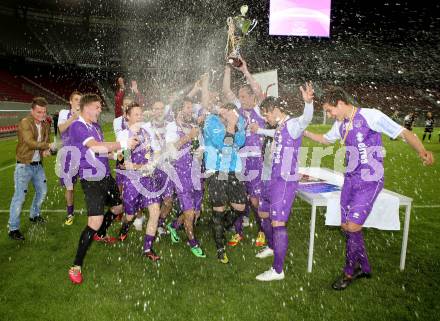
396, 40
352, 16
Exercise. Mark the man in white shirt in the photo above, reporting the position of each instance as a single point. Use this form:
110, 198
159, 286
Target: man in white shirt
70, 172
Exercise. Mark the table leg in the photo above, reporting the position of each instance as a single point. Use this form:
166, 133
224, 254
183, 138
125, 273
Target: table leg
312, 238
405, 237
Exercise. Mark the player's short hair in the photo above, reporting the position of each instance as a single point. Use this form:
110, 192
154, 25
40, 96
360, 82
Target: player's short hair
270, 103
87, 99
248, 88
334, 94
155, 101
131, 106
40, 101
178, 103
188, 99
75, 92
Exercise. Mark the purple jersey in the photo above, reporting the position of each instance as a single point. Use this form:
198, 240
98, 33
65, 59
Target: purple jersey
143, 152
364, 142
163, 183
158, 130
279, 191
285, 151
173, 133
252, 150
363, 138
92, 166
253, 116
364, 175
189, 198
139, 190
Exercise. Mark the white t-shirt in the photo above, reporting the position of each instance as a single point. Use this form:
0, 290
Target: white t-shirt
36, 157
63, 116
117, 125
171, 135
376, 120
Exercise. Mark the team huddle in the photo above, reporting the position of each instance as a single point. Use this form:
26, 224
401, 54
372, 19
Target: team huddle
242, 152
179, 151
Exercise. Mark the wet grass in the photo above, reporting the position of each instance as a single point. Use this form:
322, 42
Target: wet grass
121, 285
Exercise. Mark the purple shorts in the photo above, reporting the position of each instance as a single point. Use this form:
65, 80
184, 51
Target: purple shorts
357, 199
138, 195
254, 186
163, 185
133, 203
277, 199
189, 197
119, 179
198, 199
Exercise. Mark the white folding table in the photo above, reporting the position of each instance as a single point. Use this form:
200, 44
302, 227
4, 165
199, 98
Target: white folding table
317, 200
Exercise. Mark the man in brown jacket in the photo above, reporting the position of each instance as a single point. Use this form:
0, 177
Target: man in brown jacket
33, 145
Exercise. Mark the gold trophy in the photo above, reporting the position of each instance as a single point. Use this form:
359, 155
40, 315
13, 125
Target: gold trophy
238, 28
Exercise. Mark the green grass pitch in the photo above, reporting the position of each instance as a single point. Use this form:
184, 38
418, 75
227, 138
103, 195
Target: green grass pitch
121, 285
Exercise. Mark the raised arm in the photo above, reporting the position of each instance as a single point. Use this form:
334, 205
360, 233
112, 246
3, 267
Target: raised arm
256, 88
308, 95
229, 95
138, 97
297, 126
119, 96
196, 88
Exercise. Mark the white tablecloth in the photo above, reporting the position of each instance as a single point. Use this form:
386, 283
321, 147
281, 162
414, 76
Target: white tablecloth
385, 212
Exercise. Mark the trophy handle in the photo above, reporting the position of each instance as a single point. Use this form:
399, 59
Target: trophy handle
252, 26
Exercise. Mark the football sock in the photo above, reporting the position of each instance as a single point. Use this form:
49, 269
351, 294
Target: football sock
85, 240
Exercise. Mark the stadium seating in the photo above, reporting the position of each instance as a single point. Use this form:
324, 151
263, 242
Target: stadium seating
18, 88
11, 88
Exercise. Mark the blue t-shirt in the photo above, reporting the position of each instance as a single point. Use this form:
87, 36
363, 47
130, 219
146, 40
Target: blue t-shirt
220, 154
